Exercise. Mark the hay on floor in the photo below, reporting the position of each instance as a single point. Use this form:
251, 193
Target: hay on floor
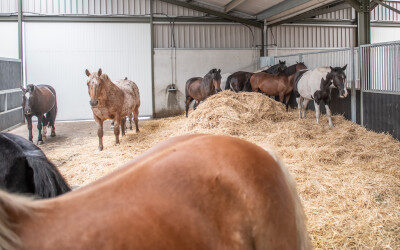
348, 177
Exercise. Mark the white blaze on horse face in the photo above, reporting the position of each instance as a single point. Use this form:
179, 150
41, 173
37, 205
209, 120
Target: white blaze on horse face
27, 95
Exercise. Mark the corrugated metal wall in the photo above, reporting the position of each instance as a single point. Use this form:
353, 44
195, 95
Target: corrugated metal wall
384, 14
206, 36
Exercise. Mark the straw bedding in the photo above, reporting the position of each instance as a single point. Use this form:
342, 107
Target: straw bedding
348, 178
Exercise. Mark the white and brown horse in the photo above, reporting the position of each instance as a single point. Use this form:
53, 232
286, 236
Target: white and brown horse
113, 101
230, 194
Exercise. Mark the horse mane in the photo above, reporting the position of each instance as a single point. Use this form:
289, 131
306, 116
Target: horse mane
47, 180
12, 206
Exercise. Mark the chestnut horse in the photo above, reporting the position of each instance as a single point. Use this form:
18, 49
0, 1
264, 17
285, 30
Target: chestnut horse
199, 89
280, 84
230, 194
238, 80
40, 101
113, 101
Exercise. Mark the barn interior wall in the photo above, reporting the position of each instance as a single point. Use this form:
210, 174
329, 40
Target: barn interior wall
191, 63
9, 39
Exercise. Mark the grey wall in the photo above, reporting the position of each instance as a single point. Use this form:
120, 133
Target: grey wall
191, 63
10, 93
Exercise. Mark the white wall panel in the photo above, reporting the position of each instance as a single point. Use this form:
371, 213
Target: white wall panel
58, 54
9, 39
385, 34
8, 6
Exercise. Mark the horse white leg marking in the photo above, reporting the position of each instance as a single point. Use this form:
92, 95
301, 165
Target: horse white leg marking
329, 114
316, 111
299, 106
44, 131
305, 103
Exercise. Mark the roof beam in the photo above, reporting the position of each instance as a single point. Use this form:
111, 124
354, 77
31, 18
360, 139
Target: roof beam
233, 4
355, 4
316, 12
280, 7
387, 6
215, 13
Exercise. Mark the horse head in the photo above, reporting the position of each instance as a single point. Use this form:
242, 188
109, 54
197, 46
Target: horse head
216, 78
94, 83
281, 66
28, 99
300, 66
338, 77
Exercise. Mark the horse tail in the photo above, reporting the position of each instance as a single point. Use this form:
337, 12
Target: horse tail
12, 205
303, 240
48, 181
228, 83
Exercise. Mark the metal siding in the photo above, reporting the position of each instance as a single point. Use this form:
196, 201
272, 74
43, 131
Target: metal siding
382, 13
9, 40
193, 36
64, 50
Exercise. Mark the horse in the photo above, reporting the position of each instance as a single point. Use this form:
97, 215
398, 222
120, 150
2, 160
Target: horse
114, 101
40, 101
315, 85
280, 84
198, 88
230, 194
238, 80
25, 169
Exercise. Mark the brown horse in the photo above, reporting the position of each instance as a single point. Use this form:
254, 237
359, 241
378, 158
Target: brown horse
40, 101
230, 194
277, 85
114, 101
199, 89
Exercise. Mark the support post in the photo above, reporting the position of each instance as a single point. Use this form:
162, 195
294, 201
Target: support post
20, 52
265, 35
353, 88
153, 106
364, 23
262, 51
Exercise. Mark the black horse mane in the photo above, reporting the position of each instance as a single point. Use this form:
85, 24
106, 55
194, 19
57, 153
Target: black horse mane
291, 69
24, 168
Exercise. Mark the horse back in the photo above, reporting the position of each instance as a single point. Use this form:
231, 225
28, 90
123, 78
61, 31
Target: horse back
296, 78
131, 94
189, 84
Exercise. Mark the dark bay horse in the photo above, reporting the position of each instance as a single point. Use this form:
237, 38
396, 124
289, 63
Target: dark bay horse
229, 194
280, 84
113, 101
316, 85
25, 169
198, 88
238, 80
40, 101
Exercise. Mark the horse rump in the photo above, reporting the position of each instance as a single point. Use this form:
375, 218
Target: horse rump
228, 83
296, 78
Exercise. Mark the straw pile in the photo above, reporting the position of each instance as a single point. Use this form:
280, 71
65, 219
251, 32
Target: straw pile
348, 178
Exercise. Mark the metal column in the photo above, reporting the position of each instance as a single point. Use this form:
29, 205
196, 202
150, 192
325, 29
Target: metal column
364, 23
153, 105
353, 87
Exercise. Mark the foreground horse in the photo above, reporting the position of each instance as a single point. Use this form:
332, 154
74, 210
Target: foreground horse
199, 89
277, 85
315, 85
40, 101
113, 101
25, 169
230, 194
238, 80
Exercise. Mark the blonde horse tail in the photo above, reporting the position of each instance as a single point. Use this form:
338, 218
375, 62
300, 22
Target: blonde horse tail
12, 207
303, 240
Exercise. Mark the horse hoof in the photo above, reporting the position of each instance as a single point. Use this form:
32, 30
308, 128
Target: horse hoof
130, 128
137, 130
117, 144
40, 142
100, 148
53, 134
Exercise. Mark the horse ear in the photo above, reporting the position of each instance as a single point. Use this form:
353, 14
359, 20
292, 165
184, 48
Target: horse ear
99, 72
280, 61
344, 68
87, 72
219, 71
331, 68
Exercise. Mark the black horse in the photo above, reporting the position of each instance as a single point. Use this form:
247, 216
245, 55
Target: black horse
25, 169
40, 101
238, 80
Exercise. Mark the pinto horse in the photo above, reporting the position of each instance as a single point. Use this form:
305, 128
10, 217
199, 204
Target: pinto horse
40, 101
238, 80
277, 85
113, 101
199, 89
315, 85
25, 169
230, 194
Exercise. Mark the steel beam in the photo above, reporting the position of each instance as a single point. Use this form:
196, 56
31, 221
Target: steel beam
279, 8
233, 4
215, 13
20, 50
153, 95
85, 19
364, 23
387, 6
355, 4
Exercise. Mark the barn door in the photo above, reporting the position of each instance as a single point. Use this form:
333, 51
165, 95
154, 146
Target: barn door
58, 54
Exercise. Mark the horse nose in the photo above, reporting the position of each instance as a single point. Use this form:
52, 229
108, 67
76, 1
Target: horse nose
343, 94
93, 103
218, 90
28, 111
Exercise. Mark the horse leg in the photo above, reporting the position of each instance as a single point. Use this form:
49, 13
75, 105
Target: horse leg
195, 105
189, 99
29, 123
287, 98
130, 121
112, 125
39, 127
99, 131
50, 119
117, 122
317, 111
123, 124
44, 124
329, 114
136, 118
305, 103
